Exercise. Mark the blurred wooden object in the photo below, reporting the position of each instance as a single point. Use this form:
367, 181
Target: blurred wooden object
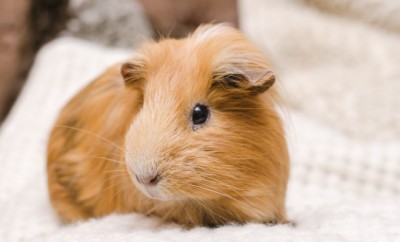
24, 27
177, 18
13, 18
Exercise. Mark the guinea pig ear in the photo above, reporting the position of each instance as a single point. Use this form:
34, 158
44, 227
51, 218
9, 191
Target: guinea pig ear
252, 81
132, 73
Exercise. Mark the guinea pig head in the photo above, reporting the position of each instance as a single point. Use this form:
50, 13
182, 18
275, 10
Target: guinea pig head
207, 127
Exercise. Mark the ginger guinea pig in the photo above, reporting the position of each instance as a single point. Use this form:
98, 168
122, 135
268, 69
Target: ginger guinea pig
186, 130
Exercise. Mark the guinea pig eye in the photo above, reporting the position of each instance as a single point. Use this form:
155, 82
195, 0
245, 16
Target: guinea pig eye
200, 114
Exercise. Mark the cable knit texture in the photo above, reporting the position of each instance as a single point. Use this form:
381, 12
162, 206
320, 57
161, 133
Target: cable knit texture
341, 86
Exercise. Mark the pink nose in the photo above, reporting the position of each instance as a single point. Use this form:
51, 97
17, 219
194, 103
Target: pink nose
148, 179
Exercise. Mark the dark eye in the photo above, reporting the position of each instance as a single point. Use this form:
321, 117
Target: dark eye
199, 114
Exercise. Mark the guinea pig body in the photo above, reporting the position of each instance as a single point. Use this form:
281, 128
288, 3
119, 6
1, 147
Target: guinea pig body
186, 131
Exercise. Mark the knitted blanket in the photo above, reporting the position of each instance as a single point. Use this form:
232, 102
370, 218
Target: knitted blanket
340, 76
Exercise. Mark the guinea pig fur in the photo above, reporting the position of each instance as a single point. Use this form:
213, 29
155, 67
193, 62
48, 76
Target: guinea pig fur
186, 130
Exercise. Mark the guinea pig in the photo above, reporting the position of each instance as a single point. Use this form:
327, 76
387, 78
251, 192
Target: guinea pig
186, 130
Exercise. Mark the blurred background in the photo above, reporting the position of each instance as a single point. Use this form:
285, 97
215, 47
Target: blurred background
25, 25
338, 68
321, 49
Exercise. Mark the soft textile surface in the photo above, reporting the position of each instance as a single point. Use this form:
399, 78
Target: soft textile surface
336, 55
345, 181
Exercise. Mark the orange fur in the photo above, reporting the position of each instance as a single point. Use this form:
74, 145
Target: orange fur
233, 168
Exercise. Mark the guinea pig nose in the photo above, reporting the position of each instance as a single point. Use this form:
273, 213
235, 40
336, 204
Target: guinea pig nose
149, 179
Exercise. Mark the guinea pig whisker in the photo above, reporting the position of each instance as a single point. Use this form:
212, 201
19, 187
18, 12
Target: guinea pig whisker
154, 208
236, 190
115, 177
176, 211
216, 178
116, 156
114, 182
248, 205
119, 186
92, 134
216, 181
106, 159
114, 171
216, 192
112, 185
197, 201
119, 189
210, 210
107, 151
171, 205
209, 178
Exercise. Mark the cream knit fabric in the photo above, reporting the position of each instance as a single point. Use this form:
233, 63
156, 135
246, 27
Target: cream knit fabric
339, 60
